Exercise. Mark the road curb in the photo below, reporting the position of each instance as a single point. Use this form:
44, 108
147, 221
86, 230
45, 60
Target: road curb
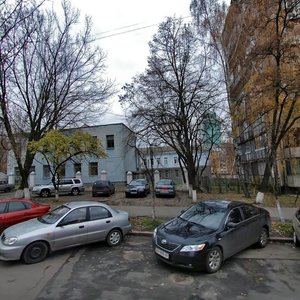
271, 239
281, 239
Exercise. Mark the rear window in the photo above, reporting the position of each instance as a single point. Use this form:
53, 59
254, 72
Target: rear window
15, 206
54, 215
2, 207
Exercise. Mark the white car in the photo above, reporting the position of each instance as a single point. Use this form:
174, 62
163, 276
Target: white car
68, 225
72, 186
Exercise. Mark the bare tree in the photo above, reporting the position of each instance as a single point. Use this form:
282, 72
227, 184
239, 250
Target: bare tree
52, 75
210, 19
177, 97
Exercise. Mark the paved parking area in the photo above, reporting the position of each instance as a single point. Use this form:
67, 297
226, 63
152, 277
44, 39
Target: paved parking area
130, 271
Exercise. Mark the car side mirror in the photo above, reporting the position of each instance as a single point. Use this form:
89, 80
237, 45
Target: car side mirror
230, 225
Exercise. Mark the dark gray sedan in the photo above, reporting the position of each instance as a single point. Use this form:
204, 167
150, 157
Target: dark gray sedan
296, 228
71, 224
209, 232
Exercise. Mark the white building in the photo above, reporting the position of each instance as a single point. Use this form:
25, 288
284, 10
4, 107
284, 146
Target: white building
120, 159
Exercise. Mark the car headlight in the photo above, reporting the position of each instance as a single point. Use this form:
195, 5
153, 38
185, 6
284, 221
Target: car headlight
8, 241
154, 232
192, 248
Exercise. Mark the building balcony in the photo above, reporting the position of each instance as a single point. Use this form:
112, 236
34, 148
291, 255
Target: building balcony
292, 152
293, 181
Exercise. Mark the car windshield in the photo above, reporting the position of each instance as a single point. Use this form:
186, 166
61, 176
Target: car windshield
164, 182
54, 215
205, 215
137, 182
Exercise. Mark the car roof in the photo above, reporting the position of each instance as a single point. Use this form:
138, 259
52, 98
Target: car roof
14, 199
229, 204
99, 181
76, 204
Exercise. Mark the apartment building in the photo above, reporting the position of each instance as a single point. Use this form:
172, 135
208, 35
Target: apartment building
261, 41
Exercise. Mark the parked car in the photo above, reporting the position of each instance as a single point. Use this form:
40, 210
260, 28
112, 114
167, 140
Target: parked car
68, 225
103, 187
165, 187
137, 187
209, 232
296, 227
15, 210
6, 187
72, 186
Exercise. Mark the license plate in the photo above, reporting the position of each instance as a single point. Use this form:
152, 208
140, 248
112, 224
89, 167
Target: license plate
162, 253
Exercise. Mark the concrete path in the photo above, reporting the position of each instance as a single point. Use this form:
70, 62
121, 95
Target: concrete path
167, 212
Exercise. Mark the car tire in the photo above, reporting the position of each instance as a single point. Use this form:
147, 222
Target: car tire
94, 195
7, 190
114, 238
75, 192
35, 252
45, 193
214, 260
296, 241
263, 238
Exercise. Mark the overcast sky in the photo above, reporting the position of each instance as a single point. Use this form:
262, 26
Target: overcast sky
119, 25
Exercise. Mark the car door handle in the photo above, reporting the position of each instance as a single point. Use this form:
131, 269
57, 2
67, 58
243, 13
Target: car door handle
107, 221
81, 226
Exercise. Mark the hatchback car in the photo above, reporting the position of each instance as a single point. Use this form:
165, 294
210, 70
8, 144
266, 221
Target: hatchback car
103, 187
15, 210
68, 225
73, 186
137, 187
165, 187
209, 232
296, 228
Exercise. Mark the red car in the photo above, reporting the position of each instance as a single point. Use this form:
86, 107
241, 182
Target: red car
16, 210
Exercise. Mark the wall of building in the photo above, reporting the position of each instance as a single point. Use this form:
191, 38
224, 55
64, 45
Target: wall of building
120, 159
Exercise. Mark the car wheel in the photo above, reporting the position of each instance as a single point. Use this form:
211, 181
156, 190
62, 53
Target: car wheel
114, 238
35, 252
296, 241
126, 195
263, 238
45, 193
214, 260
75, 191
7, 190
94, 195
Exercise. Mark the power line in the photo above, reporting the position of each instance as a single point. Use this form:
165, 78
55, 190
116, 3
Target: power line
127, 31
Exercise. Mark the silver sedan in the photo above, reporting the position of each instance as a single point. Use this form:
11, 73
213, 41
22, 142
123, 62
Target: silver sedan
68, 225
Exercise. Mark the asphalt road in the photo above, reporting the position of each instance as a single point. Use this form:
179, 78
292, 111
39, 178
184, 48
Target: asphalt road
130, 271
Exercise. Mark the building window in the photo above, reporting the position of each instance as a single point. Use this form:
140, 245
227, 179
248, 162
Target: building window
110, 143
93, 169
77, 168
46, 171
158, 161
62, 171
165, 161
175, 160
167, 174
151, 162
176, 173
145, 162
